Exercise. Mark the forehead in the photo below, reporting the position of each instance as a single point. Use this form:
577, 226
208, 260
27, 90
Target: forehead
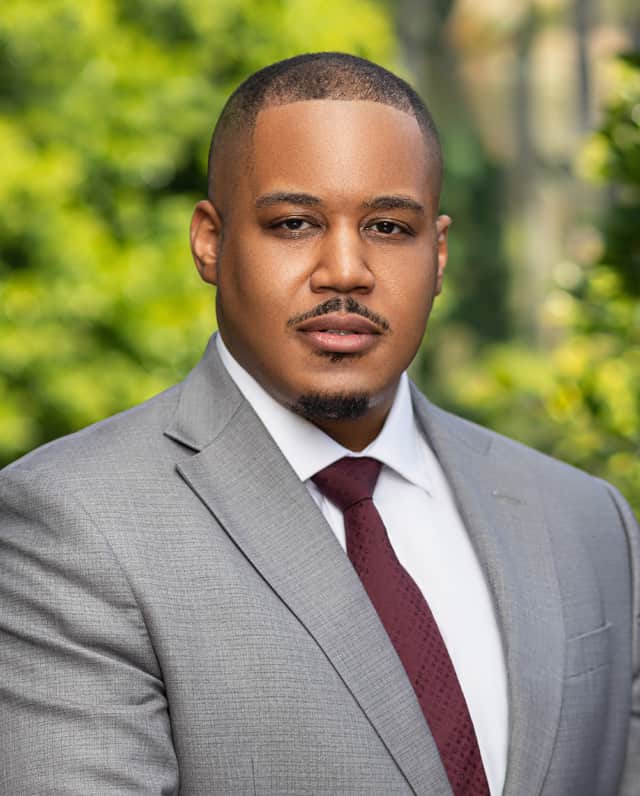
335, 148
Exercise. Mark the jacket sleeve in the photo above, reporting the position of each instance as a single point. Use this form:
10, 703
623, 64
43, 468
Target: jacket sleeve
631, 779
82, 702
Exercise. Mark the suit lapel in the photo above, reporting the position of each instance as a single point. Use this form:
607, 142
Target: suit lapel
249, 487
501, 508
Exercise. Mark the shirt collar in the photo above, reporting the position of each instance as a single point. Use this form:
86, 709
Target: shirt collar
308, 449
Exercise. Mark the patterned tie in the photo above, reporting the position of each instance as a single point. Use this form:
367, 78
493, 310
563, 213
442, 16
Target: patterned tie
349, 484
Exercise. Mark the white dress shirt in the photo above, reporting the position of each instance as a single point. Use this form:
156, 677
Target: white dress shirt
428, 536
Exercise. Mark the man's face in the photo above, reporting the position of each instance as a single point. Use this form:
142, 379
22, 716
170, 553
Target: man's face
327, 253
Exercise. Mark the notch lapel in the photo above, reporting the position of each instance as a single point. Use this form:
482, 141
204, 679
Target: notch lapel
249, 487
501, 508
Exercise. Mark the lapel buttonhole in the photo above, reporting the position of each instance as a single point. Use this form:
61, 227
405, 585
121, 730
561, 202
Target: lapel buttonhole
509, 498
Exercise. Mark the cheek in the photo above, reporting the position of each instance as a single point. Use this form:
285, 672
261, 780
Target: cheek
410, 296
270, 287
253, 301
243, 278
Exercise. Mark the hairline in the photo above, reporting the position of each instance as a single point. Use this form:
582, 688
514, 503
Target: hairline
430, 138
268, 88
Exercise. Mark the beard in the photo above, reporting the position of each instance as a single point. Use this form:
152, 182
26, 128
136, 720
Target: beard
318, 406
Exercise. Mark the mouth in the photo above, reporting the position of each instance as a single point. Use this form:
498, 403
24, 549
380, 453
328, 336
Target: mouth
340, 334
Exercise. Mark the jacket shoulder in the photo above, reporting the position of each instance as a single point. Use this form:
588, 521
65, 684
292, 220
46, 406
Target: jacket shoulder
102, 446
553, 475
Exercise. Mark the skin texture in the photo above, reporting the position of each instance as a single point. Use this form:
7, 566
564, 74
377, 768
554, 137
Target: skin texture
331, 244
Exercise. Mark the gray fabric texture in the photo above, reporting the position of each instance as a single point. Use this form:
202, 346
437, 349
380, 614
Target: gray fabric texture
176, 617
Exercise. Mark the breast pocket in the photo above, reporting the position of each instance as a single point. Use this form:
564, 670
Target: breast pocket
588, 651
582, 744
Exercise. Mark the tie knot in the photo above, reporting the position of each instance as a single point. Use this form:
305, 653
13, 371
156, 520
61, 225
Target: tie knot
348, 480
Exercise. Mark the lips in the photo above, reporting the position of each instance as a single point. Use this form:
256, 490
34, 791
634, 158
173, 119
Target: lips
340, 334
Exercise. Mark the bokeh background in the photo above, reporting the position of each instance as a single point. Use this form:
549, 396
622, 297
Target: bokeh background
106, 109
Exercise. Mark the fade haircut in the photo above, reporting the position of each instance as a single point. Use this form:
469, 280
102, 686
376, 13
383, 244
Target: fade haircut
315, 76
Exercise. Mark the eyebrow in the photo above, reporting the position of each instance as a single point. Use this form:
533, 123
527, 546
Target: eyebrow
393, 202
284, 197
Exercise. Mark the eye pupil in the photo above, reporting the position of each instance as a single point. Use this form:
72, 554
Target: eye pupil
386, 227
293, 223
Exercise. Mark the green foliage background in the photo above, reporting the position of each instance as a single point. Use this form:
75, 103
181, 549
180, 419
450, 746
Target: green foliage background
580, 398
106, 108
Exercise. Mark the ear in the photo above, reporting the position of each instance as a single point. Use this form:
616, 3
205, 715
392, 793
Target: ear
205, 235
442, 247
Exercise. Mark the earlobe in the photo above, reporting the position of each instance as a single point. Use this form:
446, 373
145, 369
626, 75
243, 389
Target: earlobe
205, 233
442, 228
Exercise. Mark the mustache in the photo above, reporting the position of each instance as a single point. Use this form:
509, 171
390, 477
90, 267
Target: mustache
339, 304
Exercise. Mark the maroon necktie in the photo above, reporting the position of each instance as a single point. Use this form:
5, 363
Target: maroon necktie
349, 484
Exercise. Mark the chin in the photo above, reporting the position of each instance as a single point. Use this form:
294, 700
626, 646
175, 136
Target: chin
331, 406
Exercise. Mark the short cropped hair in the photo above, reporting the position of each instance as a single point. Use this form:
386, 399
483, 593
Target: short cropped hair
314, 76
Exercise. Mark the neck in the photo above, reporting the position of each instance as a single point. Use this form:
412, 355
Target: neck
355, 434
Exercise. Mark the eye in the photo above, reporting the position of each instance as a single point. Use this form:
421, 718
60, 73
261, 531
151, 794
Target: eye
292, 225
388, 228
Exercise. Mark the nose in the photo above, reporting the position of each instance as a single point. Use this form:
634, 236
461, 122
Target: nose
342, 265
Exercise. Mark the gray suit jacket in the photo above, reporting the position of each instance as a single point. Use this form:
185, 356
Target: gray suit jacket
177, 617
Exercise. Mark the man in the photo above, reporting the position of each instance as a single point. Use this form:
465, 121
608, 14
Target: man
179, 614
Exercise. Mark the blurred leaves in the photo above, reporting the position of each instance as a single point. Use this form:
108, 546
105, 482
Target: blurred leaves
106, 110
580, 400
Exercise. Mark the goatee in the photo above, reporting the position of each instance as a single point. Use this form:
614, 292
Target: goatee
316, 406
